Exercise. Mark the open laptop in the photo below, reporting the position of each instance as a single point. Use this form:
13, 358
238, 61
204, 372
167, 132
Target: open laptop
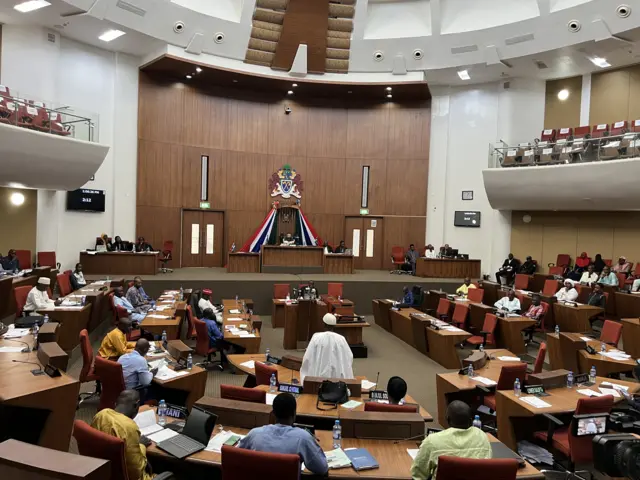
195, 434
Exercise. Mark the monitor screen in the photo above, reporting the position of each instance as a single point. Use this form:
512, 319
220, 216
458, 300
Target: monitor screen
466, 219
86, 200
592, 425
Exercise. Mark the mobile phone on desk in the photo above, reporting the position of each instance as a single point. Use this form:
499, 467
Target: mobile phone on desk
232, 440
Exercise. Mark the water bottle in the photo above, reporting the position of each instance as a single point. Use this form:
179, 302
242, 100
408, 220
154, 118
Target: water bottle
267, 353
181, 293
337, 435
288, 298
481, 347
517, 391
476, 422
162, 419
35, 331
470, 371
592, 374
557, 329
164, 338
237, 298
570, 379
46, 318
603, 347
84, 300
313, 293
272, 383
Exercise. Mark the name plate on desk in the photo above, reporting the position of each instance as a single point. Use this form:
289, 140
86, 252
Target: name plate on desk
537, 390
273, 360
378, 395
290, 388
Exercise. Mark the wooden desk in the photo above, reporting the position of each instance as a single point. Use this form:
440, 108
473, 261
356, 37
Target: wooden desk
627, 304
381, 313
352, 332
610, 307
401, 327
72, 321
97, 295
442, 345
491, 290
477, 313
277, 313
536, 284
631, 336
119, 263
243, 263
277, 259
18, 387
169, 319
512, 412
300, 321
431, 300
250, 344
510, 333
285, 374
338, 264
447, 268
574, 319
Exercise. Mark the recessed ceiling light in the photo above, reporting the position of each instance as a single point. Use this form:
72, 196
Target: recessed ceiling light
389, 96
111, 35
290, 92
16, 185
563, 94
189, 77
388, 89
30, 6
235, 81
17, 198
294, 85
198, 69
600, 62
464, 75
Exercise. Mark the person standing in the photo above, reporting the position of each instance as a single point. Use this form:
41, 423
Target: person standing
411, 257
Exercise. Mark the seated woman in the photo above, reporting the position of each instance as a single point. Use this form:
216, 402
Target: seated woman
328, 355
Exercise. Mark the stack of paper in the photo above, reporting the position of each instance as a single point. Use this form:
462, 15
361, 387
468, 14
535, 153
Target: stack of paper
11, 349
534, 453
586, 339
249, 364
151, 353
509, 359
162, 435
158, 363
16, 332
486, 381
351, 404
234, 319
234, 311
610, 391
367, 385
413, 452
337, 459
617, 386
616, 355
589, 393
216, 442
165, 373
535, 402
162, 307
270, 398
164, 317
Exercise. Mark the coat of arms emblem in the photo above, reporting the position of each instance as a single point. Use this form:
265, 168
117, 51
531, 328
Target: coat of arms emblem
286, 183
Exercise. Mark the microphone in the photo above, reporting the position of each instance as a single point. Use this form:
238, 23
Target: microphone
35, 372
410, 438
27, 348
377, 378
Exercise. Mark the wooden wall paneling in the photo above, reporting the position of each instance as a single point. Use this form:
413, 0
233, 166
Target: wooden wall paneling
192, 172
327, 129
402, 231
409, 131
329, 227
526, 239
288, 132
160, 110
368, 131
625, 242
353, 185
406, 187
633, 112
562, 113
205, 119
160, 169
159, 224
558, 239
239, 226
325, 190
246, 174
275, 163
594, 240
609, 97
248, 126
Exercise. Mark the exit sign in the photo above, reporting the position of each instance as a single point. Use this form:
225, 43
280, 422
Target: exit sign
364, 211
205, 205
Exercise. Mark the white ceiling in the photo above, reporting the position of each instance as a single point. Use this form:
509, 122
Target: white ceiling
492, 39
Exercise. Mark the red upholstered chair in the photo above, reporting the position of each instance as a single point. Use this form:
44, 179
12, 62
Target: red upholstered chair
507, 378
96, 444
556, 271
385, 407
562, 260
334, 289
564, 133
551, 286
444, 306
578, 450
599, 130
231, 392
64, 284
87, 373
24, 259
397, 258
619, 128
191, 327
611, 332
264, 372
240, 463
203, 346
581, 132
537, 365
112, 380
522, 281
622, 279
20, 296
537, 328
281, 290
56, 124
460, 313
548, 135
486, 336
475, 295
458, 468
47, 259
112, 308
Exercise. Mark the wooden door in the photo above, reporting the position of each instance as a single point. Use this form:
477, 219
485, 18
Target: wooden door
364, 235
191, 238
202, 238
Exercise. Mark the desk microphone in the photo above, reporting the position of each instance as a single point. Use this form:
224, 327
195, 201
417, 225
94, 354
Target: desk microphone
39, 371
377, 378
415, 437
27, 348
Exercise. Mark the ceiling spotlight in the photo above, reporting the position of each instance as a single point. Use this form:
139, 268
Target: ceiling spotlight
198, 69
563, 94
111, 35
26, 7
464, 75
389, 96
388, 89
600, 62
189, 77
290, 92
234, 80
294, 85
17, 199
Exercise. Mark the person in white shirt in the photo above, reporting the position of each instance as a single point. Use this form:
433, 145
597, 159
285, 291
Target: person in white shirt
205, 303
589, 277
288, 241
38, 297
430, 252
328, 354
510, 303
567, 293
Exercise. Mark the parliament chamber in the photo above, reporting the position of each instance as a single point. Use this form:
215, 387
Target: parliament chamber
285, 239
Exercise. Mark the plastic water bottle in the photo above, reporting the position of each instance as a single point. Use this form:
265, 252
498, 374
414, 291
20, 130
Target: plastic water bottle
46, 318
84, 300
603, 347
189, 362
592, 374
164, 338
470, 371
481, 347
162, 419
237, 298
337, 435
35, 331
267, 353
557, 329
476, 422
570, 379
181, 293
272, 383
517, 391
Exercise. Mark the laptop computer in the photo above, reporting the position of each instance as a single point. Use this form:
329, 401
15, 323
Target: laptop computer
195, 434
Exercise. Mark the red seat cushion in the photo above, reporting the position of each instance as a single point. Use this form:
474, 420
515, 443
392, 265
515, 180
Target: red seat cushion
475, 340
490, 401
560, 440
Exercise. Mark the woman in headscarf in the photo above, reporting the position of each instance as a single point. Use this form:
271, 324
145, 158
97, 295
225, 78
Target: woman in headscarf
598, 264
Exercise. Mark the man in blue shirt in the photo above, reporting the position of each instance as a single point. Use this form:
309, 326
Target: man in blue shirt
283, 437
135, 368
137, 296
407, 296
607, 277
136, 314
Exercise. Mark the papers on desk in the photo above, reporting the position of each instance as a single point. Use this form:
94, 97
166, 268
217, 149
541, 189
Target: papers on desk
610, 391
616, 355
162, 435
586, 339
146, 422
486, 381
11, 349
165, 373
216, 442
234, 311
270, 398
66, 307
337, 459
367, 385
152, 353
158, 363
163, 317
249, 364
162, 307
351, 404
535, 402
534, 453
450, 328
16, 332
413, 452
589, 393
71, 302
617, 386
509, 359
171, 292
234, 319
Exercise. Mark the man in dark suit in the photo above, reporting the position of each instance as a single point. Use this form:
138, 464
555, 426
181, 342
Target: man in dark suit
340, 248
508, 270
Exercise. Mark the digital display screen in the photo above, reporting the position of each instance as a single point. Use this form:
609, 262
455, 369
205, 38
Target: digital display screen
289, 388
466, 219
86, 200
592, 425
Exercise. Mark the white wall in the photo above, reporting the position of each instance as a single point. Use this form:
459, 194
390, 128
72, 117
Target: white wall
464, 122
90, 80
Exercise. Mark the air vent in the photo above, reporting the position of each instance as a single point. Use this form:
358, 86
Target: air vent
131, 8
464, 49
51, 37
541, 65
506, 64
520, 39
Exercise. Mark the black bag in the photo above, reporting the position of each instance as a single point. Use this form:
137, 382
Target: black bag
333, 393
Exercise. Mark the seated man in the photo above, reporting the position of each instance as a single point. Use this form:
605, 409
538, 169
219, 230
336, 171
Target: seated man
396, 390
77, 278
118, 244
567, 293
216, 336
119, 300
328, 355
508, 270
137, 297
341, 248
119, 423
459, 440
115, 344
135, 368
10, 262
463, 290
622, 266
597, 297
607, 277
205, 303
528, 267
143, 246
288, 241
535, 310
327, 247
509, 304
430, 252
38, 298
589, 277
407, 297
283, 437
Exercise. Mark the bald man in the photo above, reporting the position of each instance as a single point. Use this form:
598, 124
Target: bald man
459, 440
135, 368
